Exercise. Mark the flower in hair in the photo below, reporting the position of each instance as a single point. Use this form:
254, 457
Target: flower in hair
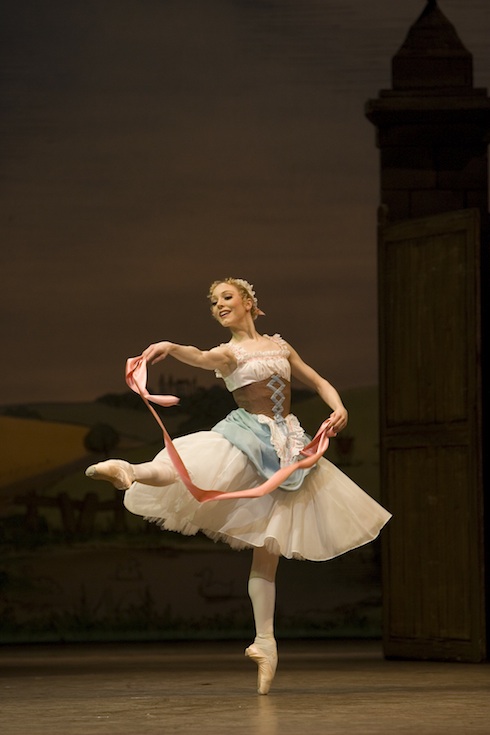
250, 290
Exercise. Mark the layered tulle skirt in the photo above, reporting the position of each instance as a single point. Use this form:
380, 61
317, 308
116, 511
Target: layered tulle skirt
327, 516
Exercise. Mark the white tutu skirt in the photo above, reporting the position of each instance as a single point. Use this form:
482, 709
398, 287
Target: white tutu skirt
326, 517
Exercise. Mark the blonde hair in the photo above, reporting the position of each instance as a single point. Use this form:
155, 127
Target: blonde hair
244, 288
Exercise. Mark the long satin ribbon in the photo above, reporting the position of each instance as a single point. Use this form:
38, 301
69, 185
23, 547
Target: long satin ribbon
136, 378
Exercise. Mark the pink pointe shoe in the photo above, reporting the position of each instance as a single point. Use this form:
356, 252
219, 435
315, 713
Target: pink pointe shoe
264, 653
117, 471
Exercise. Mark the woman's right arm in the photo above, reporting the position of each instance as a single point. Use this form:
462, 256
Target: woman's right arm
218, 358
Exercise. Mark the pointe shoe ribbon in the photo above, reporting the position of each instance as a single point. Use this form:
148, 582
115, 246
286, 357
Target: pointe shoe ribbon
136, 378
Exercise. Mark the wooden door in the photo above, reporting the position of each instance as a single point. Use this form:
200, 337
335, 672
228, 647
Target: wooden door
433, 549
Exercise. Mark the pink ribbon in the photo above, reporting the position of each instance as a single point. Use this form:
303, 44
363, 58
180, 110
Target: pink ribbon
136, 378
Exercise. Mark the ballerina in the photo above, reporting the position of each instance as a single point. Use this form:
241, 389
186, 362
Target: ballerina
279, 496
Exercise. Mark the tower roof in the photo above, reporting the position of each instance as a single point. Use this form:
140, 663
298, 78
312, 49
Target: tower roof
432, 55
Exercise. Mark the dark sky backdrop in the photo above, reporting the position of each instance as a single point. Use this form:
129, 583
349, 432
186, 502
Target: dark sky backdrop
151, 146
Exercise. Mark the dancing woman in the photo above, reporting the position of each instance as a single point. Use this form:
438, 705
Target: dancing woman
304, 510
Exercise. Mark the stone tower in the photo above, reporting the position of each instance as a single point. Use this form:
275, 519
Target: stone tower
433, 125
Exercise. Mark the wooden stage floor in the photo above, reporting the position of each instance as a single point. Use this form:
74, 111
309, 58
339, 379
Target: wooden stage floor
321, 688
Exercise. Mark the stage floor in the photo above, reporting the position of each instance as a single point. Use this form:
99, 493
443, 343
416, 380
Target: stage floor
321, 687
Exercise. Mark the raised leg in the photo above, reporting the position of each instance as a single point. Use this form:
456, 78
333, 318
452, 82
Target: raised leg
122, 474
262, 591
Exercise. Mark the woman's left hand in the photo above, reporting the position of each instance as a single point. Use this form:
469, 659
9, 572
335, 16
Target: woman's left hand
338, 419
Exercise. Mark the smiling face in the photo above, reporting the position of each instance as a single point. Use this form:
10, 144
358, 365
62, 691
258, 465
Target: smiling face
228, 306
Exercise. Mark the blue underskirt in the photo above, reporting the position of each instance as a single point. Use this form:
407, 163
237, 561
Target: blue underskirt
247, 433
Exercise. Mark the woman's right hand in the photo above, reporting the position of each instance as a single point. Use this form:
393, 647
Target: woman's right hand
157, 352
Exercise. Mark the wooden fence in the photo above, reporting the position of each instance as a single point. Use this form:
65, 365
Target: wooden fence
77, 516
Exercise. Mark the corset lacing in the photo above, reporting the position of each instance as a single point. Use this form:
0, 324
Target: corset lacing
270, 401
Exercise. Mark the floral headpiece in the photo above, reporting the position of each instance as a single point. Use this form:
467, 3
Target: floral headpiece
250, 290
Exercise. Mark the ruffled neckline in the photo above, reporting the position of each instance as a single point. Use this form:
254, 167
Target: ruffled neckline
244, 354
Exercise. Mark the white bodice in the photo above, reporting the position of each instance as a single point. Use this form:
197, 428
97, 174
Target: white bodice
253, 367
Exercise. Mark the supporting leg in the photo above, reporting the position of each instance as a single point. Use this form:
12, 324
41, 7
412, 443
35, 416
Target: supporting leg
122, 474
262, 591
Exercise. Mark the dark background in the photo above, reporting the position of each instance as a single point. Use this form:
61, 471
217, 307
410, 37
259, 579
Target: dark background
148, 147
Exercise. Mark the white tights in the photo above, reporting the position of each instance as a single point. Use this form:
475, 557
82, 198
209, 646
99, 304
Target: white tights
262, 592
155, 473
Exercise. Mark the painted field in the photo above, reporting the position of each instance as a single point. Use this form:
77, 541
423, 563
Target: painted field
31, 447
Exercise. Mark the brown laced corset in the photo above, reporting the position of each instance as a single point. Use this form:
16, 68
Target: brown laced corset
271, 397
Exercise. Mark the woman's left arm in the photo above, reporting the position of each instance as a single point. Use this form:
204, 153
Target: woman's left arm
325, 390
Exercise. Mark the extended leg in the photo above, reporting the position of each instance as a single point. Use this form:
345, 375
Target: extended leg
122, 474
262, 591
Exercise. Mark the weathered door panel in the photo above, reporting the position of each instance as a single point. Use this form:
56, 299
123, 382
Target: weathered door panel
434, 596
